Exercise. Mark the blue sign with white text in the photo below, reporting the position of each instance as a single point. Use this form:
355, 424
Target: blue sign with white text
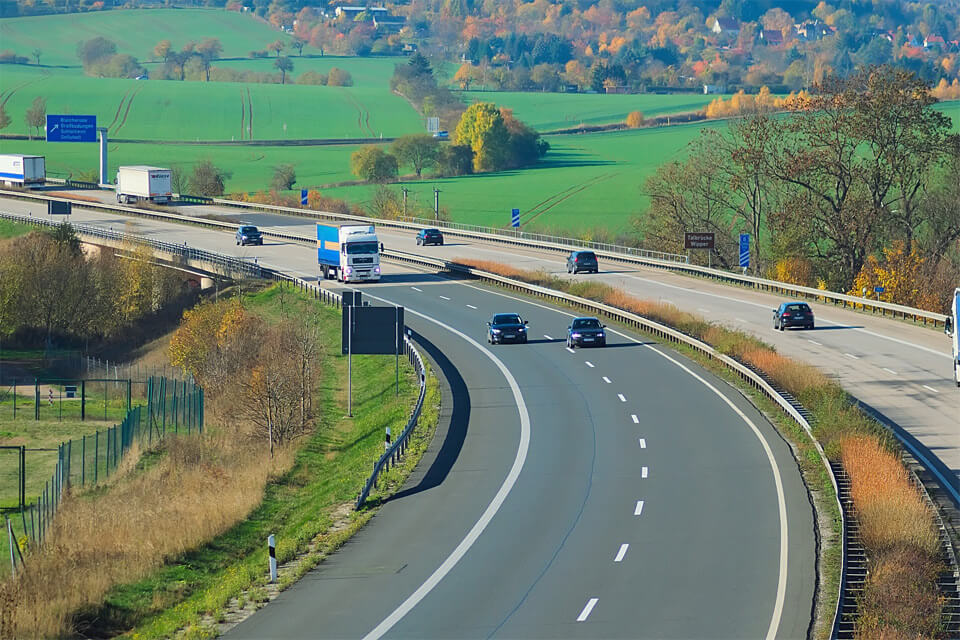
878, 289
515, 218
303, 197
745, 250
65, 128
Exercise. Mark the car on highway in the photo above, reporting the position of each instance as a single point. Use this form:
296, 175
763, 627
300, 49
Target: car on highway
586, 332
248, 234
579, 261
506, 327
793, 314
429, 236
441, 135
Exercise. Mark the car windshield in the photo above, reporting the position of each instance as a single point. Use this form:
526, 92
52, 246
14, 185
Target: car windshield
507, 318
247, 229
362, 247
586, 323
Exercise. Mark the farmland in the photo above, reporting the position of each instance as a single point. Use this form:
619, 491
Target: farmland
135, 32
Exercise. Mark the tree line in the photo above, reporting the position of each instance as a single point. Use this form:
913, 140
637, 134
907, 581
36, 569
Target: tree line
859, 186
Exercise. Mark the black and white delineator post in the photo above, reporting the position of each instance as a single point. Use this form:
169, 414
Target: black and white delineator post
272, 547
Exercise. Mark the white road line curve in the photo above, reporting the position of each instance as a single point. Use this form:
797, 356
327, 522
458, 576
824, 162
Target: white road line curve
407, 605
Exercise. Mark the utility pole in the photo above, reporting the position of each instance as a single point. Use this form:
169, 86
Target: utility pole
405, 192
436, 204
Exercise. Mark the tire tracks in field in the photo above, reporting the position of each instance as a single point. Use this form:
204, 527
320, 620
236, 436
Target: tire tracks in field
116, 116
4, 96
363, 114
578, 188
127, 112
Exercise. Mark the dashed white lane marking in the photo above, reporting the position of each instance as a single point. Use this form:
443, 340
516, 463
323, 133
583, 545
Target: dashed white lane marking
850, 355
639, 508
591, 603
815, 342
570, 350
607, 380
702, 310
547, 337
416, 289
644, 472
444, 298
636, 420
643, 443
622, 552
589, 364
622, 399
930, 388
740, 320
891, 371
471, 306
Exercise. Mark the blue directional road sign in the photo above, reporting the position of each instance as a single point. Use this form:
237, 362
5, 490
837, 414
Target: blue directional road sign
303, 197
63, 128
744, 250
879, 289
515, 218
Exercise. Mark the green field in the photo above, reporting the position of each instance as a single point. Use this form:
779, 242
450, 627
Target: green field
173, 110
371, 73
550, 111
136, 32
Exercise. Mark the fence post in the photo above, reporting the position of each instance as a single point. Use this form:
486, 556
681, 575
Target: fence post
174, 414
83, 462
83, 398
69, 459
96, 457
14, 398
129, 392
36, 399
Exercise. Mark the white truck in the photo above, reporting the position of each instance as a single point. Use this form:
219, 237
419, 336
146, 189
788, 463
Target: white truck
952, 330
18, 169
135, 183
350, 252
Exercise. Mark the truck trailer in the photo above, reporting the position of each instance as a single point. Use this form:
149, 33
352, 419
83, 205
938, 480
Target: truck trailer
17, 169
349, 253
135, 183
952, 330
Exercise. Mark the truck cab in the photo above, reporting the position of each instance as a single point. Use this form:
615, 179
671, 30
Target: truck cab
350, 252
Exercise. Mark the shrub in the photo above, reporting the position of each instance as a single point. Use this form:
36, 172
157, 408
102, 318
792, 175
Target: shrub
337, 77
373, 164
635, 119
312, 77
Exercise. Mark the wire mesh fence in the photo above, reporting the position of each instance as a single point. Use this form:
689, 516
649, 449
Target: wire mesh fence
32, 497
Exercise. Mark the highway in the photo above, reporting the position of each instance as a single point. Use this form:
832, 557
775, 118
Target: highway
900, 370
617, 492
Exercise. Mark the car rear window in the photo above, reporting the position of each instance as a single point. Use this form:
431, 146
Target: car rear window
798, 307
586, 256
506, 318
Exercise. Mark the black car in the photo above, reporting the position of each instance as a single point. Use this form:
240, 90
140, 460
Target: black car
506, 327
429, 236
248, 234
586, 332
582, 261
793, 314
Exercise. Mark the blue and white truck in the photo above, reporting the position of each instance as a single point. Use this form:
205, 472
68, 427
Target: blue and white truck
17, 169
349, 253
953, 331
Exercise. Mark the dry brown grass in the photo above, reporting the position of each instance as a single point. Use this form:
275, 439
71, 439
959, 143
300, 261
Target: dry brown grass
900, 599
197, 488
890, 509
73, 196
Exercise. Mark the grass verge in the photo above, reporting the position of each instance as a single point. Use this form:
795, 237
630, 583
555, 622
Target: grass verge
897, 525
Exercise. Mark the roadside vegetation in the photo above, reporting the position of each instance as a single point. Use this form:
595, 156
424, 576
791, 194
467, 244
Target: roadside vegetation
897, 526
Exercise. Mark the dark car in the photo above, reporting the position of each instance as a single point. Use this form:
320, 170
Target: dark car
793, 314
429, 236
248, 234
582, 261
586, 332
506, 327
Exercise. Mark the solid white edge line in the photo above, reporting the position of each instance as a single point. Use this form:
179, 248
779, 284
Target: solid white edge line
607, 380
643, 443
407, 605
643, 472
588, 363
622, 399
636, 420
591, 603
639, 508
622, 552
850, 355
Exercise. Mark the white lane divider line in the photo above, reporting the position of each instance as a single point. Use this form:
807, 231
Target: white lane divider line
589, 364
815, 342
636, 420
622, 399
643, 443
444, 298
740, 320
416, 289
591, 603
639, 508
703, 310
643, 472
471, 306
891, 371
930, 388
607, 380
570, 350
547, 337
622, 552
850, 355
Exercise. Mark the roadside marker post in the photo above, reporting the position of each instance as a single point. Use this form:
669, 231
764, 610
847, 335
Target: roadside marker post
272, 547
515, 218
304, 197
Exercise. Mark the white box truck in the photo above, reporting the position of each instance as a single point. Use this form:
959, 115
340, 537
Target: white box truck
351, 253
17, 169
139, 182
953, 331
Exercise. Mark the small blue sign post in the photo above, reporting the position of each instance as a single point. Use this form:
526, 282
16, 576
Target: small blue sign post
515, 218
878, 291
745, 250
68, 128
303, 197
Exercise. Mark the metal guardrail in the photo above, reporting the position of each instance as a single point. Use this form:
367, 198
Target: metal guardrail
671, 262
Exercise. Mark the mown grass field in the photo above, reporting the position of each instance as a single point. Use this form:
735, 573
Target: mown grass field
550, 111
173, 110
136, 31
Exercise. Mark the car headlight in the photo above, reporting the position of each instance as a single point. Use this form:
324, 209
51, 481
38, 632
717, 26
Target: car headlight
574, 335
376, 269
495, 330
522, 329
601, 335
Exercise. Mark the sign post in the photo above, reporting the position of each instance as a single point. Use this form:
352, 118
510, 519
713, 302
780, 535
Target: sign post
745, 251
515, 218
304, 197
878, 291
704, 240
